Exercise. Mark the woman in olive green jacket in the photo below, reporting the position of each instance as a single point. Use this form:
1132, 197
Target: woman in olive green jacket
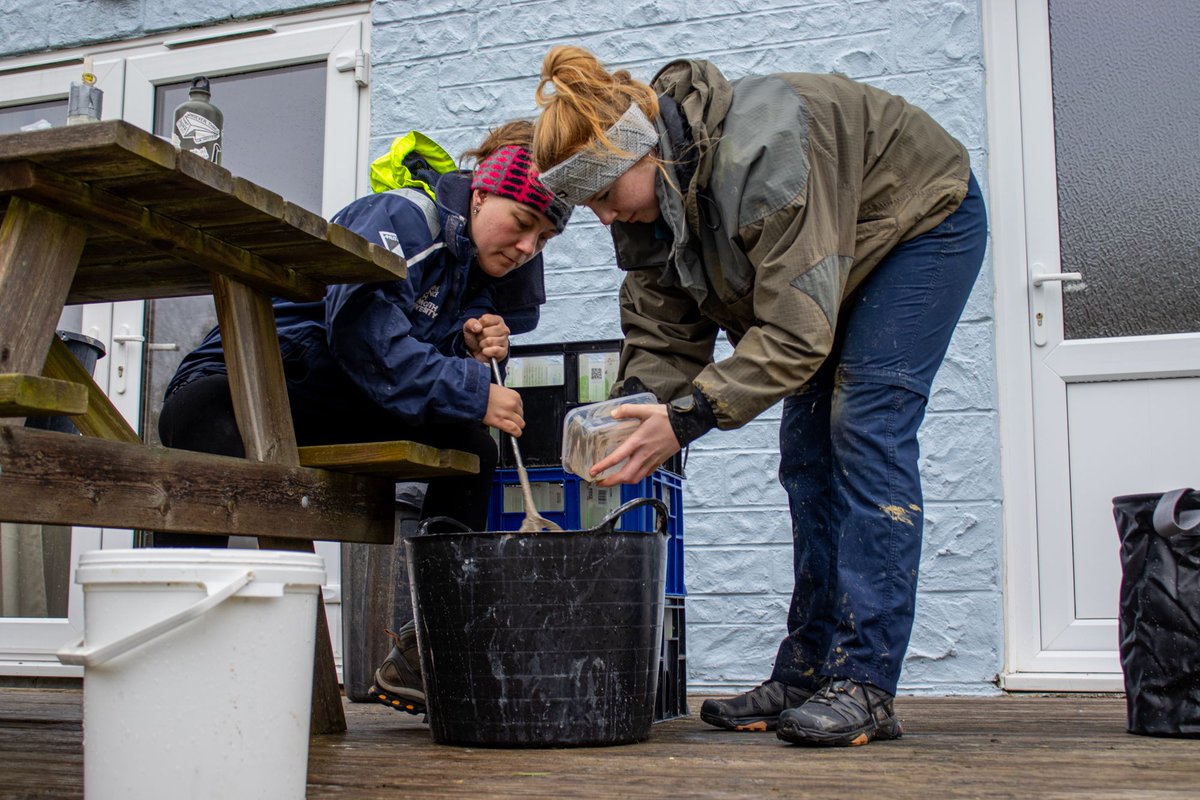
833, 231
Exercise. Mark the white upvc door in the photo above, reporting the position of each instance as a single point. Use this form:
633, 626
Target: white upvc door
28, 644
130, 74
1086, 413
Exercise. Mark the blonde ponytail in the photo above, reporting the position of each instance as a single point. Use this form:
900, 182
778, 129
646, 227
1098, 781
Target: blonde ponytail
580, 101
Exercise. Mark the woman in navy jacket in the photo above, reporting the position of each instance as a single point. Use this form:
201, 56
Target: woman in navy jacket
405, 359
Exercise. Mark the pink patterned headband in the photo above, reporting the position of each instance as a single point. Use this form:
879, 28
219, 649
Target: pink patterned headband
509, 172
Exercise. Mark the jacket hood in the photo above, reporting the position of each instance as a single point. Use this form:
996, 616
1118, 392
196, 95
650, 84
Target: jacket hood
704, 96
693, 96
454, 199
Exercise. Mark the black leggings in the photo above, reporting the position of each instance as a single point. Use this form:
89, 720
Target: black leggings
198, 416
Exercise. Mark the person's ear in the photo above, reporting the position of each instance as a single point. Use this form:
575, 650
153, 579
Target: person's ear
477, 198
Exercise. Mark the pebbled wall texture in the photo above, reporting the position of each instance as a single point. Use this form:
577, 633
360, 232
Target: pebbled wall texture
452, 68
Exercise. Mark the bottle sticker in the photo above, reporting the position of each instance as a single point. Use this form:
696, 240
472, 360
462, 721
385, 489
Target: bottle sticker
197, 128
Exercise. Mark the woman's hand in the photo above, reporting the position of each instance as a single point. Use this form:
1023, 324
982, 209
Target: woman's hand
647, 448
505, 411
486, 338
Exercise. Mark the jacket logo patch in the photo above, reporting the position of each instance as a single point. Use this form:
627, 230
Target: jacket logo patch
426, 303
391, 242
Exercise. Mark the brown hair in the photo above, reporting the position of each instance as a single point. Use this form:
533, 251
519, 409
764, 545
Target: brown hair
585, 102
519, 133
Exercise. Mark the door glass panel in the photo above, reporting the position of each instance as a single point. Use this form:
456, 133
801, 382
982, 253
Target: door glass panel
1126, 115
274, 135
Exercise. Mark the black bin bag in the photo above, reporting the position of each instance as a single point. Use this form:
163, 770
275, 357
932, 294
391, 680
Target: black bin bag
1160, 611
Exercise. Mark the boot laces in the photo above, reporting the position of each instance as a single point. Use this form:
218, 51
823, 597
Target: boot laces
826, 695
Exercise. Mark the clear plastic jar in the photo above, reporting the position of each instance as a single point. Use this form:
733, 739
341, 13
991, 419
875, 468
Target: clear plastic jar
590, 433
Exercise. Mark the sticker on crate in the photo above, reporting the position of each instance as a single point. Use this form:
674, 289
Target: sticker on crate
595, 503
547, 496
597, 374
526, 372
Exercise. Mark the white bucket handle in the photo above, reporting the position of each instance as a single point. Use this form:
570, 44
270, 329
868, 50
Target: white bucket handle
82, 656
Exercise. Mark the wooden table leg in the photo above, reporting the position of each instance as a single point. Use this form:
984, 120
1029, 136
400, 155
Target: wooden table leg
34, 241
264, 418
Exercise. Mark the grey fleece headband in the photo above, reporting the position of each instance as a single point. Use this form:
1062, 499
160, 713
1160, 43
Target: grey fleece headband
594, 169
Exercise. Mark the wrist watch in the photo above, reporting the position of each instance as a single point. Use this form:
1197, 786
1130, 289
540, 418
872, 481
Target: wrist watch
684, 405
690, 417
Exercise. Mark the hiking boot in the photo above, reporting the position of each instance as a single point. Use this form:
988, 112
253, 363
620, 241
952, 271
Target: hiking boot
398, 681
755, 710
842, 713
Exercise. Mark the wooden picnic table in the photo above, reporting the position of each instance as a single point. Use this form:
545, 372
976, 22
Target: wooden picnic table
108, 212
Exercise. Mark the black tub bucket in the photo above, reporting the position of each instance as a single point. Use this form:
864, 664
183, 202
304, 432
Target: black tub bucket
87, 351
547, 639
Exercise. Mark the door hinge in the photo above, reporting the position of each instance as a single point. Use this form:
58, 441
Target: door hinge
359, 62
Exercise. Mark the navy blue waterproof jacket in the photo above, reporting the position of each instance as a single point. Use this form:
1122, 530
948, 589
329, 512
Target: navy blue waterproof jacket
397, 344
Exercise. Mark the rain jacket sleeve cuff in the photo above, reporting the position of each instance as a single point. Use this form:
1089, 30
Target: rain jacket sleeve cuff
689, 425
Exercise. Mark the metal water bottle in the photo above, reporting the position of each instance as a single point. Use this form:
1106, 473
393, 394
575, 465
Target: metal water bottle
198, 123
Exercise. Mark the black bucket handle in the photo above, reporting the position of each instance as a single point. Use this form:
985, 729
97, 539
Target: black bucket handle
609, 523
423, 526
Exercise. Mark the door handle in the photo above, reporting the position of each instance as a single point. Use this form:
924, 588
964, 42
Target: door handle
1059, 277
1039, 278
122, 341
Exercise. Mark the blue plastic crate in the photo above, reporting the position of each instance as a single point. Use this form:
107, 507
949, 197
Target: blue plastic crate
575, 504
671, 700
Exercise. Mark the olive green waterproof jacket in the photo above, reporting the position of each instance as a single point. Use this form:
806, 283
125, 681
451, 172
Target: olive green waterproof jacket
802, 184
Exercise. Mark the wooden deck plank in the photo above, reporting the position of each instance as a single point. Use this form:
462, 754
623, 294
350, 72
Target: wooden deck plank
1009, 746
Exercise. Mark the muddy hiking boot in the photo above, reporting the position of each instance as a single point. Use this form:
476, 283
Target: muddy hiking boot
842, 713
398, 681
755, 710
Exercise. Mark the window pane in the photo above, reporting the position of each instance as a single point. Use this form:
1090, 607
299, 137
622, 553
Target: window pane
1127, 125
13, 118
274, 131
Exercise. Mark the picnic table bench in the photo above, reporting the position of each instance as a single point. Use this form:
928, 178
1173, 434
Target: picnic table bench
107, 212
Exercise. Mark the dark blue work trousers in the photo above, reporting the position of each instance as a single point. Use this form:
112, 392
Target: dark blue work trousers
848, 447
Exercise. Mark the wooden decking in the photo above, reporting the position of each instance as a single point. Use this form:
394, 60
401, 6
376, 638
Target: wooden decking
1018, 746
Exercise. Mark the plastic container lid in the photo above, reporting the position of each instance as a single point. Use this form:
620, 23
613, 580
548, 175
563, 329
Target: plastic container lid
590, 433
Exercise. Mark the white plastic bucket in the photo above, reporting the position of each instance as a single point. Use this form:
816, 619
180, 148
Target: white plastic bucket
197, 672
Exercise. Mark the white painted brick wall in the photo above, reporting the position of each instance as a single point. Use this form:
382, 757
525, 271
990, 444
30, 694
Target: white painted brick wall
452, 68
29, 26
